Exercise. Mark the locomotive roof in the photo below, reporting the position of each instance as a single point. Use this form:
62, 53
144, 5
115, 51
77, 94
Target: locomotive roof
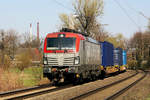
68, 34
92, 40
73, 31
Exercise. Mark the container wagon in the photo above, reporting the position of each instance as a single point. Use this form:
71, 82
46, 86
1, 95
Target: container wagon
107, 57
118, 58
124, 55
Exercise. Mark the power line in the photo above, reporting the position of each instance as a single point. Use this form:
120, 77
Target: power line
138, 12
62, 5
131, 7
124, 10
141, 13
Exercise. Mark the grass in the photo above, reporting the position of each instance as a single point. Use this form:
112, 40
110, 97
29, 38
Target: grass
10, 80
148, 98
32, 76
13, 78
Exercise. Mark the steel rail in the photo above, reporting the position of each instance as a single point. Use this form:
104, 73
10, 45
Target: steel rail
117, 94
25, 96
18, 91
102, 88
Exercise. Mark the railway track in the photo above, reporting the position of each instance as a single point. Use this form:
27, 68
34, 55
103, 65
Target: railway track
44, 89
30, 92
117, 94
104, 88
11, 94
8, 93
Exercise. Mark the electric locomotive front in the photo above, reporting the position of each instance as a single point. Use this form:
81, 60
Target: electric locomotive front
61, 56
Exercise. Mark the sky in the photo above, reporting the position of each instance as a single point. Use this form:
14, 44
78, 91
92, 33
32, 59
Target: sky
18, 14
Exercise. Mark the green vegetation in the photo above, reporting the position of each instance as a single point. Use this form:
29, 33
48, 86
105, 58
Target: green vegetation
14, 78
32, 76
140, 46
148, 98
25, 60
132, 64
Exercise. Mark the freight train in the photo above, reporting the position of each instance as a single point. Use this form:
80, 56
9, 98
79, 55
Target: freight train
69, 55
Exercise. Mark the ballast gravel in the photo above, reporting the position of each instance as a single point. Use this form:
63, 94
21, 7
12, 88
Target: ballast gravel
74, 91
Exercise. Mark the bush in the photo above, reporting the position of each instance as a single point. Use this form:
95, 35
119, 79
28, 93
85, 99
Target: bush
132, 64
24, 60
14, 78
144, 64
7, 63
9, 80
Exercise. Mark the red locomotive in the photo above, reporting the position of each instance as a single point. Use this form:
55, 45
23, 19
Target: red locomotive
71, 56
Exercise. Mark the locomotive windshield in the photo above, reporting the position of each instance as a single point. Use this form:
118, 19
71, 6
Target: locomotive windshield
60, 43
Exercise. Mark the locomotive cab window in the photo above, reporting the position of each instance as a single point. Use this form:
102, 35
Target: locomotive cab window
62, 43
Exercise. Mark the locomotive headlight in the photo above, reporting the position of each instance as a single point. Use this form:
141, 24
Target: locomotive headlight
45, 61
76, 60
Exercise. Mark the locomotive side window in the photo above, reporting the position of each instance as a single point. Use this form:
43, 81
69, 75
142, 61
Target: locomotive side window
60, 43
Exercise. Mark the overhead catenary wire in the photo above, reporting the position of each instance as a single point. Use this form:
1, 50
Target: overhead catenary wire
141, 13
124, 10
130, 7
62, 5
133, 9
136, 11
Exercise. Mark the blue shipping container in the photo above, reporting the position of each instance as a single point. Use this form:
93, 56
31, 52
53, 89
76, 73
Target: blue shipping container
107, 53
124, 53
118, 59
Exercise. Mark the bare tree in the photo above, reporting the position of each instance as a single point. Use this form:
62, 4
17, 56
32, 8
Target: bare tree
27, 43
25, 40
85, 17
136, 42
100, 33
88, 11
148, 27
2, 46
8, 46
118, 41
12, 39
65, 20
